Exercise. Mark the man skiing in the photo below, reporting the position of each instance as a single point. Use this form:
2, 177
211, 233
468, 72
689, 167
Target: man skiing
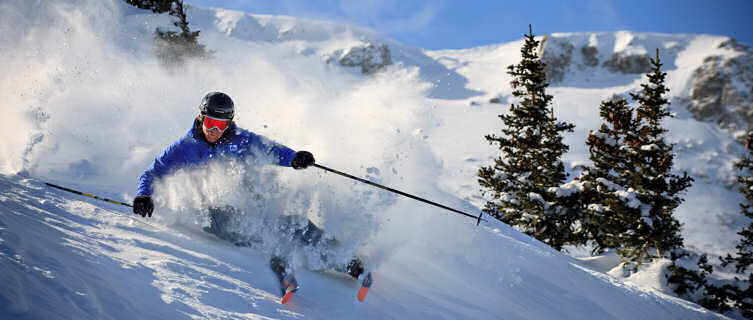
214, 137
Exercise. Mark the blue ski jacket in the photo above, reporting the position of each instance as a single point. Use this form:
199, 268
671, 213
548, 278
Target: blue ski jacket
193, 149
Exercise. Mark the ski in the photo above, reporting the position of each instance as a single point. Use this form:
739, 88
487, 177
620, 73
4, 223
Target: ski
289, 287
288, 284
365, 285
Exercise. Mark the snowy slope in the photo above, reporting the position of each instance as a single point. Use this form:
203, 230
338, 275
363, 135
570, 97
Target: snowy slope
67, 258
91, 107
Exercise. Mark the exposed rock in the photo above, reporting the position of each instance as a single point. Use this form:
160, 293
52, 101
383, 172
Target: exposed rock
721, 89
628, 63
556, 54
708, 87
498, 99
370, 58
732, 44
589, 56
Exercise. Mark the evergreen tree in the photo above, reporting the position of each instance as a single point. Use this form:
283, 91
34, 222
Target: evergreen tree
630, 192
740, 292
173, 46
157, 6
607, 212
744, 256
523, 181
722, 294
688, 276
656, 187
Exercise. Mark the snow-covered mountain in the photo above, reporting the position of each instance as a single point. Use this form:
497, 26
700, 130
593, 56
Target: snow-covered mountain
87, 105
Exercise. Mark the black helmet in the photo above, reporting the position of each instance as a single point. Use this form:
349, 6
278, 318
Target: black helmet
217, 105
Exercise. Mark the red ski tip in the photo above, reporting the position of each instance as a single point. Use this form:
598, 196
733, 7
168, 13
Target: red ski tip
362, 293
289, 292
365, 285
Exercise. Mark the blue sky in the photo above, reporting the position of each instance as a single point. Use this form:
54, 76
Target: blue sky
456, 24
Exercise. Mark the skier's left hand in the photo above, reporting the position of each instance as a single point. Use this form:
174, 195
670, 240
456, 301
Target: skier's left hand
143, 205
302, 159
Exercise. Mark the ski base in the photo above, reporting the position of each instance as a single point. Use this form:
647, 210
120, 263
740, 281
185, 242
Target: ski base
289, 292
365, 286
289, 287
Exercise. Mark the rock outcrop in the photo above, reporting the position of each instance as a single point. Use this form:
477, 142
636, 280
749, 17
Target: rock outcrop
369, 57
557, 55
628, 63
589, 56
722, 90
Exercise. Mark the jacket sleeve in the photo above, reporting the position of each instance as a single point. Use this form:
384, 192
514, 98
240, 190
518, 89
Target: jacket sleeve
283, 154
170, 159
275, 151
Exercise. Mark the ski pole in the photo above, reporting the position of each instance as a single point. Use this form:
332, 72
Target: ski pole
102, 199
88, 195
478, 219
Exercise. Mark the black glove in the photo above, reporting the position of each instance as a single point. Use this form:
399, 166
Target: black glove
143, 205
302, 159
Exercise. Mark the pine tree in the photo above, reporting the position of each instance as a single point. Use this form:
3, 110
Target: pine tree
740, 293
607, 213
688, 277
175, 46
157, 6
655, 186
744, 256
172, 46
522, 182
630, 192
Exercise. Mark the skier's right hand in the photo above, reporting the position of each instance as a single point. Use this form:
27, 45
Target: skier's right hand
302, 160
143, 205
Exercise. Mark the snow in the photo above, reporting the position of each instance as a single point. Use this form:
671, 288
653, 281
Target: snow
609, 184
568, 189
89, 261
90, 108
629, 197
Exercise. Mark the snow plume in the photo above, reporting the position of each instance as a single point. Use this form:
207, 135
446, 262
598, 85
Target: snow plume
76, 97
94, 107
36, 39
262, 207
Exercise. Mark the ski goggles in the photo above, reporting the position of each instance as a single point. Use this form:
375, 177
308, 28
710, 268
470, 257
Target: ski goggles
216, 124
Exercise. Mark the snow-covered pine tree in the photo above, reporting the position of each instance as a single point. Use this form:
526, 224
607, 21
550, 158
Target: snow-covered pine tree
607, 213
655, 189
520, 183
689, 276
176, 46
723, 294
743, 289
157, 6
172, 46
744, 256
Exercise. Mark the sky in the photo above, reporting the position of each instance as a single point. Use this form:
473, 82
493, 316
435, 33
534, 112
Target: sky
455, 24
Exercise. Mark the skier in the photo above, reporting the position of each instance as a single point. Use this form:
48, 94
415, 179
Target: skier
214, 136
